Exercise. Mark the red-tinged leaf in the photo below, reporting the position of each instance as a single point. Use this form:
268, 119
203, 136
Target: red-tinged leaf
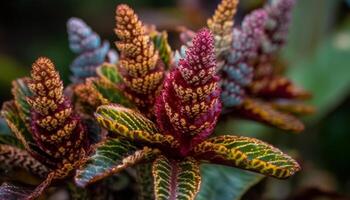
278, 87
42, 187
23, 135
13, 157
293, 107
60, 173
110, 157
176, 179
12, 117
12, 192
20, 91
247, 153
264, 112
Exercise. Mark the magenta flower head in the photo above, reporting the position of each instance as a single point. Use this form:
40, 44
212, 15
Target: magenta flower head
189, 104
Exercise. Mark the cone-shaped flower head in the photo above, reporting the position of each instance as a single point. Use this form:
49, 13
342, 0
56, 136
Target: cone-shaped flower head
55, 128
189, 104
237, 71
279, 17
140, 65
221, 24
86, 43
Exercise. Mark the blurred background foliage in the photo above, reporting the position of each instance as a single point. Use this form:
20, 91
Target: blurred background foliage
318, 55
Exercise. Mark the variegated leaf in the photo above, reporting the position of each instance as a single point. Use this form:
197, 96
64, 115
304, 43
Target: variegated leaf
132, 125
13, 157
110, 157
176, 179
293, 107
11, 115
111, 92
247, 153
20, 91
160, 41
109, 72
263, 112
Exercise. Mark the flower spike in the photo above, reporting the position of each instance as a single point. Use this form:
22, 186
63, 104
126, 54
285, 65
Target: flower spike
140, 65
189, 105
86, 43
237, 71
279, 12
221, 24
55, 128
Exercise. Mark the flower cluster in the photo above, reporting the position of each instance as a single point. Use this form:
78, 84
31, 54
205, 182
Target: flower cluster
186, 113
55, 128
154, 108
221, 24
86, 43
251, 85
140, 66
237, 72
46, 126
189, 105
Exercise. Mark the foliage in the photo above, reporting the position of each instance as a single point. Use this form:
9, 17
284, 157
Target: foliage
43, 120
157, 110
186, 113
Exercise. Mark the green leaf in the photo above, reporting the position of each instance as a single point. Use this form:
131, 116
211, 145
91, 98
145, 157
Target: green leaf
225, 183
11, 115
329, 64
110, 157
109, 72
111, 92
21, 91
132, 125
10, 140
247, 153
160, 41
176, 179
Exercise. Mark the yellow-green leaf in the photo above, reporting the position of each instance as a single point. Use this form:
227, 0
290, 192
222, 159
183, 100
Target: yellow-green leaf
12, 117
110, 157
160, 41
111, 92
109, 72
247, 153
132, 125
176, 179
